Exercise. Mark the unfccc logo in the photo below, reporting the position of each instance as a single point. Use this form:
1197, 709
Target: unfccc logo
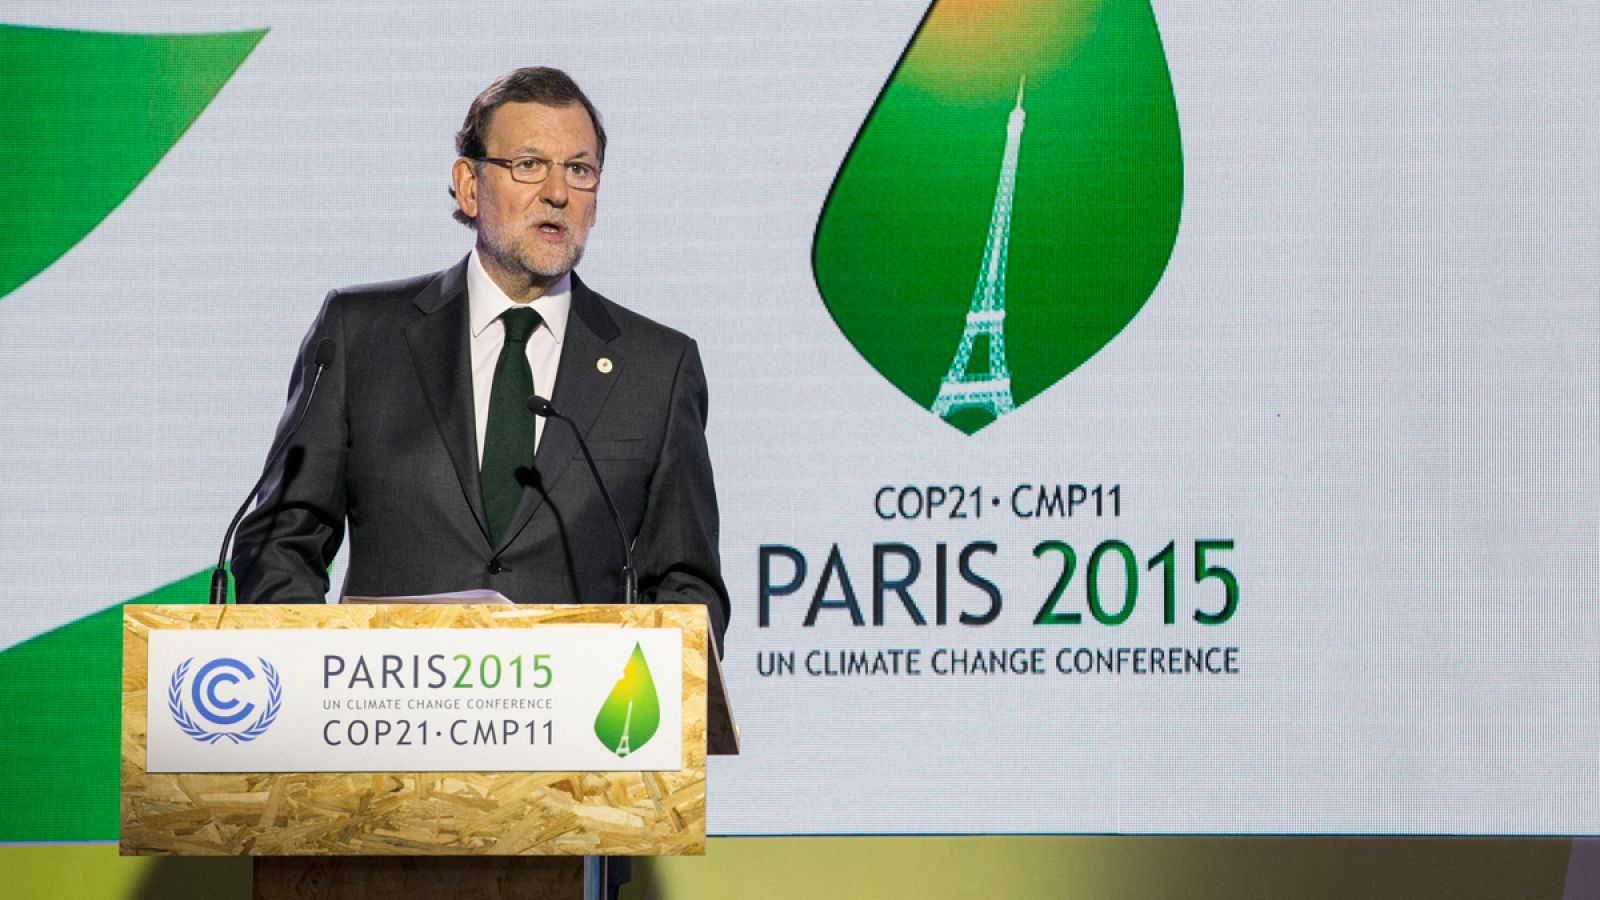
218, 700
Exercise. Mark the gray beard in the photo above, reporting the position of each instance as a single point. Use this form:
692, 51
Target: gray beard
512, 260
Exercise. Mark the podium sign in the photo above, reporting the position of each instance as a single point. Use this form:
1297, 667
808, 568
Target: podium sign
427, 730
405, 700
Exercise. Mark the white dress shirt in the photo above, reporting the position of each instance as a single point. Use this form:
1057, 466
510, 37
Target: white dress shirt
486, 302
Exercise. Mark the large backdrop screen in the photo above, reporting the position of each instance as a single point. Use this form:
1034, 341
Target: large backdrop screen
1127, 416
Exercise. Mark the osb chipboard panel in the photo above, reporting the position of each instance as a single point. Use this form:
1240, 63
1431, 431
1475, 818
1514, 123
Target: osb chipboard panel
422, 813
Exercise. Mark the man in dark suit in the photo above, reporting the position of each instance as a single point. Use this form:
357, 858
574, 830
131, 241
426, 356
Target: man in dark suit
419, 438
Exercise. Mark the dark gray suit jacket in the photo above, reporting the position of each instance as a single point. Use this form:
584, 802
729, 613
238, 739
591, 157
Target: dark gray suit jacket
389, 447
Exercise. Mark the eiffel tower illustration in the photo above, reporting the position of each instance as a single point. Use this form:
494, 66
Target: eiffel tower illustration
627, 724
991, 389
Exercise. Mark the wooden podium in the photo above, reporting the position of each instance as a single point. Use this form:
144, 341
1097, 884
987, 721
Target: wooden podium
404, 833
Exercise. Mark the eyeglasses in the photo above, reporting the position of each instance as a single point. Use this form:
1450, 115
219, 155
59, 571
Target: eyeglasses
532, 170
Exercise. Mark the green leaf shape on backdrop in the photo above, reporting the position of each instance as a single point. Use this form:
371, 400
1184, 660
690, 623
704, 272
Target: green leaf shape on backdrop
633, 708
61, 705
85, 117
1098, 192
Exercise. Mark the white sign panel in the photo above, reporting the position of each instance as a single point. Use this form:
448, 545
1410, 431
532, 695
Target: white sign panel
416, 700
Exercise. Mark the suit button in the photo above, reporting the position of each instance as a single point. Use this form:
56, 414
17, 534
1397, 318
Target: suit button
495, 568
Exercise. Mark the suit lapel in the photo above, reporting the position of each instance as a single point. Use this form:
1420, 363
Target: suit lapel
438, 343
581, 391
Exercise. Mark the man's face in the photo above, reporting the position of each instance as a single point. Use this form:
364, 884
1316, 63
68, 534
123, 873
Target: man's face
534, 231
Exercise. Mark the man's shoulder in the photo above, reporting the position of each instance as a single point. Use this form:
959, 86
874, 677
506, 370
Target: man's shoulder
430, 284
398, 301
633, 328
398, 287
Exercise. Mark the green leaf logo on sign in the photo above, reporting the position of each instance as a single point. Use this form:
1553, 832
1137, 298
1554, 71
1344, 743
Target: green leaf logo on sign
632, 711
1009, 204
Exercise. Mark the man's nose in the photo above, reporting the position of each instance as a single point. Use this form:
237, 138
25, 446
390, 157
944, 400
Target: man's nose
553, 190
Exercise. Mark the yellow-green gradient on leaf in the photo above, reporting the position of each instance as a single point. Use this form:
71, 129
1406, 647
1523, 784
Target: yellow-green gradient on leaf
1009, 204
632, 711
977, 48
85, 117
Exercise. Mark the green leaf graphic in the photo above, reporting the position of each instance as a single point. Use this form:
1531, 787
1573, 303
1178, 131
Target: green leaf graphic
1009, 204
85, 117
61, 702
632, 711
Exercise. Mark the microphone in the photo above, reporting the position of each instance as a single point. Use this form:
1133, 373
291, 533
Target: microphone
542, 408
219, 575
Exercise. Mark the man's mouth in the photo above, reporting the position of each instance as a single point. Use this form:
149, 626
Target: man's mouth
551, 229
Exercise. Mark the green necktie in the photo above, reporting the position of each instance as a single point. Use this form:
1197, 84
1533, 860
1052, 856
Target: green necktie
508, 439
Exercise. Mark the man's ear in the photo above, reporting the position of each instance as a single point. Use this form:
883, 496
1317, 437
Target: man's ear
464, 176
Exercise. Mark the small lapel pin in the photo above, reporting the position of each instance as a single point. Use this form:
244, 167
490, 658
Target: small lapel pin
604, 365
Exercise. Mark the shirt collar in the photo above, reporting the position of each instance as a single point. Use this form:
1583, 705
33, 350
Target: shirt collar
486, 301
